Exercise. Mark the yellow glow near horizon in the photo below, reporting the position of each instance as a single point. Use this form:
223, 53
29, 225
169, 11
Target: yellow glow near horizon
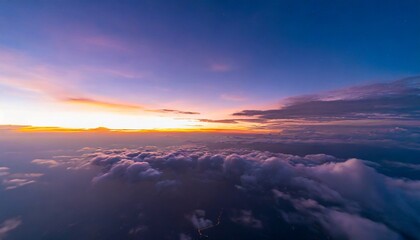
47, 114
66, 119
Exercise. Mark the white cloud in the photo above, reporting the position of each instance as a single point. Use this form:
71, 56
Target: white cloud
45, 162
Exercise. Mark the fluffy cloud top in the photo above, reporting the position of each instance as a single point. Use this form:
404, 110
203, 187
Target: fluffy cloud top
45, 162
346, 198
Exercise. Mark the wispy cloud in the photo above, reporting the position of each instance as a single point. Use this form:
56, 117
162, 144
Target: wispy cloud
56, 83
15, 180
386, 101
234, 120
219, 120
24, 73
103, 104
9, 225
173, 111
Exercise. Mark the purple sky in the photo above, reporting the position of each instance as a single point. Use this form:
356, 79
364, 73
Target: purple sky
156, 64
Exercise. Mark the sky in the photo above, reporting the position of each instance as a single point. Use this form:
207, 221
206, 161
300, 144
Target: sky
202, 64
192, 120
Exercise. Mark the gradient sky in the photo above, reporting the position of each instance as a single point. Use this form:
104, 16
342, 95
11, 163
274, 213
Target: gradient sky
166, 64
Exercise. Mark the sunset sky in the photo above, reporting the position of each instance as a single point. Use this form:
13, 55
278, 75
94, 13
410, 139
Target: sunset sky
209, 119
203, 64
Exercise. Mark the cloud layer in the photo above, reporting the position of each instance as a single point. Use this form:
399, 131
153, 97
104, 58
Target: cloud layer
398, 100
343, 199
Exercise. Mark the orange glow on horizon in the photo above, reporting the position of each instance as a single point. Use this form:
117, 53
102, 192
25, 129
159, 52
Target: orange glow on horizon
47, 129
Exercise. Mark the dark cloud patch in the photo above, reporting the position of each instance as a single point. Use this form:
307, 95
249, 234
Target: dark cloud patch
246, 218
218, 121
235, 121
391, 136
198, 219
395, 100
411, 166
174, 111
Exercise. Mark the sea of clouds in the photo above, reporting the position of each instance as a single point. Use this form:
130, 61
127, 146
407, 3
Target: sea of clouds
319, 194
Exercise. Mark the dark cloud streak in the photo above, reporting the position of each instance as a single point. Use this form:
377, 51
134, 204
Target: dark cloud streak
395, 100
165, 110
